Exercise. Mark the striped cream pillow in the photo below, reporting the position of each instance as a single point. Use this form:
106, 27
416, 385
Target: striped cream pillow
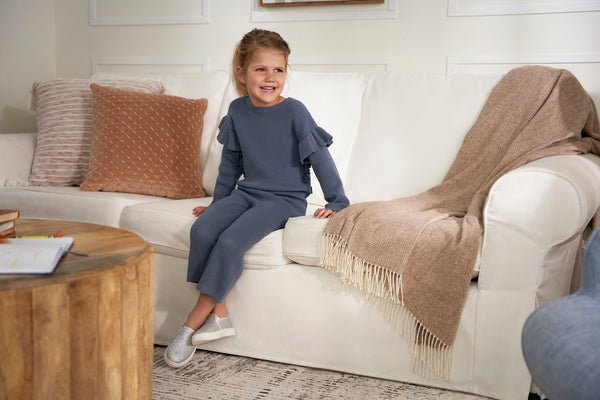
64, 117
146, 143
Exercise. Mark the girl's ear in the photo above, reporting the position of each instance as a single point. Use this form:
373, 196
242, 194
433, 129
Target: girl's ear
240, 73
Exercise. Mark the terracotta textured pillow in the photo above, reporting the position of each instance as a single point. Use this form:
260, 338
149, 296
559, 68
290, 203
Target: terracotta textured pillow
145, 143
64, 117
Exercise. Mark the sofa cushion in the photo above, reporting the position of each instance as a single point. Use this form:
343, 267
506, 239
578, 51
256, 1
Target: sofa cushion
419, 122
211, 169
145, 143
64, 117
166, 224
210, 85
16, 153
302, 239
334, 101
69, 203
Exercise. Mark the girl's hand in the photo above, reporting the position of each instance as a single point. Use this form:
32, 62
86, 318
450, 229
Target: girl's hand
198, 210
324, 213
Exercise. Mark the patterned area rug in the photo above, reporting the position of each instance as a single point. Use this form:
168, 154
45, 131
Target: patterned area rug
221, 376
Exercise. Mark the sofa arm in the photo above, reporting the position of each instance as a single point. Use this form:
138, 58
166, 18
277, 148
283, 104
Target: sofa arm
531, 212
16, 157
533, 220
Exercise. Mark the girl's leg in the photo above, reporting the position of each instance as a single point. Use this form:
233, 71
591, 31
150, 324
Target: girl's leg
204, 306
204, 233
224, 266
220, 310
268, 213
206, 230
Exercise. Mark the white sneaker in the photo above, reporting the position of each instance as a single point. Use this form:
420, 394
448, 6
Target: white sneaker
214, 328
181, 350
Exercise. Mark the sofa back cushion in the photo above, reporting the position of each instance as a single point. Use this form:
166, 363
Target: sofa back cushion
334, 101
411, 129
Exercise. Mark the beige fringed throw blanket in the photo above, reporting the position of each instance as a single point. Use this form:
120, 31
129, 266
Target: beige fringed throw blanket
416, 254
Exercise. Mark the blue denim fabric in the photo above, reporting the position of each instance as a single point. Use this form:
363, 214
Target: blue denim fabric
561, 339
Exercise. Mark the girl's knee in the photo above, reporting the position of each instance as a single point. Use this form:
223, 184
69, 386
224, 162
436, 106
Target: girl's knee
200, 235
227, 244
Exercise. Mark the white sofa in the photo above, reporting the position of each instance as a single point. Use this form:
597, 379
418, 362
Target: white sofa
395, 135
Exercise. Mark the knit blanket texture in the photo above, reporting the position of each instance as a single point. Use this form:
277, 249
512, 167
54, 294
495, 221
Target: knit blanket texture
415, 255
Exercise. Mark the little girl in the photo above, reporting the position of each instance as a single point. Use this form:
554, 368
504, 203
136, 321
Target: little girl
273, 141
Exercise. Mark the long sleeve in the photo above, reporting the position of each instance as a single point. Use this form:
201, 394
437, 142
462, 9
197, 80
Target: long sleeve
329, 178
230, 170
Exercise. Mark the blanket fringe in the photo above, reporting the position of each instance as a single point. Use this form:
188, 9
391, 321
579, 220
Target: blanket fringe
431, 356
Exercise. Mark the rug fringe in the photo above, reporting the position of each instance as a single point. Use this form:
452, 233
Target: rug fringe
431, 356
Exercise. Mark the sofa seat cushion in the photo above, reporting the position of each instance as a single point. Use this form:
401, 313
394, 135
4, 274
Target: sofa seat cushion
166, 224
69, 203
302, 241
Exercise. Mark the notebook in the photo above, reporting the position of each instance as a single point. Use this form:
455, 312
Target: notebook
32, 255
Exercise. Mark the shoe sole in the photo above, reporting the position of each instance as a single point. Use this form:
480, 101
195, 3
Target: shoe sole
209, 337
180, 364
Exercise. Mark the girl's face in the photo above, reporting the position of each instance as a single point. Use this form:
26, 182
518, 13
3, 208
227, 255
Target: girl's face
264, 76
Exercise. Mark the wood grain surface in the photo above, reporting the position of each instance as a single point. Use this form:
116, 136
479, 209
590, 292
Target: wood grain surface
84, 332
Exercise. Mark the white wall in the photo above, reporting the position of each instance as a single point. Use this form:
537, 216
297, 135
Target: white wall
419, 37
27, 53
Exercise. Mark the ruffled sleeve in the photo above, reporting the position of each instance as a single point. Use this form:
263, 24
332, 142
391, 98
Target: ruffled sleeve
315, 140
227, 135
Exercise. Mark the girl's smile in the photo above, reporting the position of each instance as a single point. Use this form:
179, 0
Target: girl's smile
264, 77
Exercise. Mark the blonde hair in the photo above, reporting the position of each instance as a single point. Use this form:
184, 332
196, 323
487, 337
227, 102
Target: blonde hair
246, 47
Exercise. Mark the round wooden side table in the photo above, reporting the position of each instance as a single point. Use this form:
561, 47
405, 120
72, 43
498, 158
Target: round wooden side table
86, 331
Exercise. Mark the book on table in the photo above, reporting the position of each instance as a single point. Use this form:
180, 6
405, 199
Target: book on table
8, 215
7, 222
7, 228
4, 226
32, 255
7, 233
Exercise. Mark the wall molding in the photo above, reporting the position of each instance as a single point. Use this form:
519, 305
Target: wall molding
454, 61
457, 9
97, 62
204, 62
387, 63
203, 18
296, 13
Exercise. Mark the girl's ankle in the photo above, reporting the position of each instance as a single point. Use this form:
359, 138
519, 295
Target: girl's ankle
220, 310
